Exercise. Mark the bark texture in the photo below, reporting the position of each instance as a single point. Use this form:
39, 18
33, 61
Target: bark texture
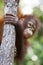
8, 42
7, 46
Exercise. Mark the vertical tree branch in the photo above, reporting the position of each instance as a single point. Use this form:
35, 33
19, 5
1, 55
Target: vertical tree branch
8, 42
8, 45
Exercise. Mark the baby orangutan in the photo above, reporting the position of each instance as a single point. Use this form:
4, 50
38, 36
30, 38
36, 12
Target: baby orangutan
25, 29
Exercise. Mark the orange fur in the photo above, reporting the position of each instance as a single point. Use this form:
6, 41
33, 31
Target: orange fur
1, 27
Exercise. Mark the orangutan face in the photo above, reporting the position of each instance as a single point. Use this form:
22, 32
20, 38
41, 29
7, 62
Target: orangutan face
30, 28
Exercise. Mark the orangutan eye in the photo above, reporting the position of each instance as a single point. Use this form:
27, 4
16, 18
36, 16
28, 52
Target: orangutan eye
30, 24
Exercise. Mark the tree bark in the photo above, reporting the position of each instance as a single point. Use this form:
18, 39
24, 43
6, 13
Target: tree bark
8, 41
8, 45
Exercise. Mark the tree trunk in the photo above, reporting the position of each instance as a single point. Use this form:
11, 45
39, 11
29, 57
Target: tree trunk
7, 46
8, 41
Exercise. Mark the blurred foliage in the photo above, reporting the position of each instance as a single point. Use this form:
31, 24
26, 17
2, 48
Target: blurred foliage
38, 13
1, 3
1, 8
